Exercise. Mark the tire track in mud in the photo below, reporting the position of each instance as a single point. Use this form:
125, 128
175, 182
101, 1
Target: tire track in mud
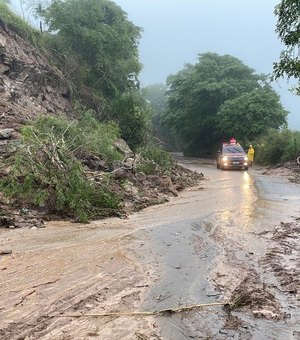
261, 287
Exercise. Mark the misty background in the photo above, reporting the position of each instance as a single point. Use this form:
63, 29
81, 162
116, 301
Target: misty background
176, 31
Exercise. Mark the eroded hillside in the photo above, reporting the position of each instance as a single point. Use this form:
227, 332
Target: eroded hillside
28, 84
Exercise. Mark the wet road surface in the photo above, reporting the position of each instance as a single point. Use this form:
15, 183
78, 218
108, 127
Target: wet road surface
215, 242
207, 245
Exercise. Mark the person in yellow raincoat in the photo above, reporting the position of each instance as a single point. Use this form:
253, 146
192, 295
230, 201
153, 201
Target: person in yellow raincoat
250, 155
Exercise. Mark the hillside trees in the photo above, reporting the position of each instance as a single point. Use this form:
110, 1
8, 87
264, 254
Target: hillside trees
250, 115
133, 115
100, 46
197, 93
105, 43
288, 29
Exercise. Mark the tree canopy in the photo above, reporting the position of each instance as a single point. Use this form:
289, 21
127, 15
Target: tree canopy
288, 29
250, 115
202, 98
99, 35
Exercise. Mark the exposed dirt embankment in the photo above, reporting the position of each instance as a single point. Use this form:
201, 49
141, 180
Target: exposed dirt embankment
28, 84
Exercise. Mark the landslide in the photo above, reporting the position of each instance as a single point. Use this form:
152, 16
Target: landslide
31, 86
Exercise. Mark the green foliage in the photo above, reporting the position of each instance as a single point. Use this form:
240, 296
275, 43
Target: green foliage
147, 168
98, 35
159, 156
17, 24
133, 115
278, 147
86, 134
46, 172
250, 115
197, 93
288, 16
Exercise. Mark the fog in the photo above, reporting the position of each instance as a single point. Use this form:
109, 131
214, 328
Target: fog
176, 31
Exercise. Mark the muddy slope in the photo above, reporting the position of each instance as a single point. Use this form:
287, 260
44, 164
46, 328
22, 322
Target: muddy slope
28, 84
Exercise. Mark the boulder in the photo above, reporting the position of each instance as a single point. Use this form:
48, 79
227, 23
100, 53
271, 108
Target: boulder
122, 147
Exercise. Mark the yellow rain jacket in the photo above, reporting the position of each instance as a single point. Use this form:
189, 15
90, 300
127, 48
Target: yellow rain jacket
251, 153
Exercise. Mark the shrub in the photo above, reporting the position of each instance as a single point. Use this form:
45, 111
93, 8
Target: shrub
46, 173
156, 160
133, 116
85, 134
158, 155
21, 27
278, 147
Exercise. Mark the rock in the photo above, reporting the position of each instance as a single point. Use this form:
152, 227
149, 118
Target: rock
6, 133
5, 252
129, 162
120, 173
95, 163
122, 147
264, 313
6, 222
25, 73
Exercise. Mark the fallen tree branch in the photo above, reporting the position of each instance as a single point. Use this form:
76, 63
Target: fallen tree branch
144, 313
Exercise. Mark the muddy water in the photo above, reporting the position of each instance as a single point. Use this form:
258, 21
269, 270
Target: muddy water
201, 247
213, 241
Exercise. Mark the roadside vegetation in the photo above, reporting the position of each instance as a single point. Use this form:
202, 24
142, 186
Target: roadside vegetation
278, 147
217, 98
21, 27
47, 170
95, 47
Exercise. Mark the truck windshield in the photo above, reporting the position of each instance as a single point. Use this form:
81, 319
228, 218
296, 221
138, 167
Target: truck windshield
233, 149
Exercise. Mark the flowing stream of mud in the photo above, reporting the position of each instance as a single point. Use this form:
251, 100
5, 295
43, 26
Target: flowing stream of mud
220, 242
214, 251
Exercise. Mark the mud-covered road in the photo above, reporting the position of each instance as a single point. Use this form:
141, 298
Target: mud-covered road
234, 240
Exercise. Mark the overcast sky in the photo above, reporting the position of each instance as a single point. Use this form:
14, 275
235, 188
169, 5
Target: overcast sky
176, 31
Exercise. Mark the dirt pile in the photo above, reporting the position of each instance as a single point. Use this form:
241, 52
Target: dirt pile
137, 190
252, 295
29, 86
289, 170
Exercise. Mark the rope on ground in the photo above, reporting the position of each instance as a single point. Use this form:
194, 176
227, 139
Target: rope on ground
158, 312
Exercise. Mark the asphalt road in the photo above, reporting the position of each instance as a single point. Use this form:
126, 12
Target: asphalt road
213, 243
